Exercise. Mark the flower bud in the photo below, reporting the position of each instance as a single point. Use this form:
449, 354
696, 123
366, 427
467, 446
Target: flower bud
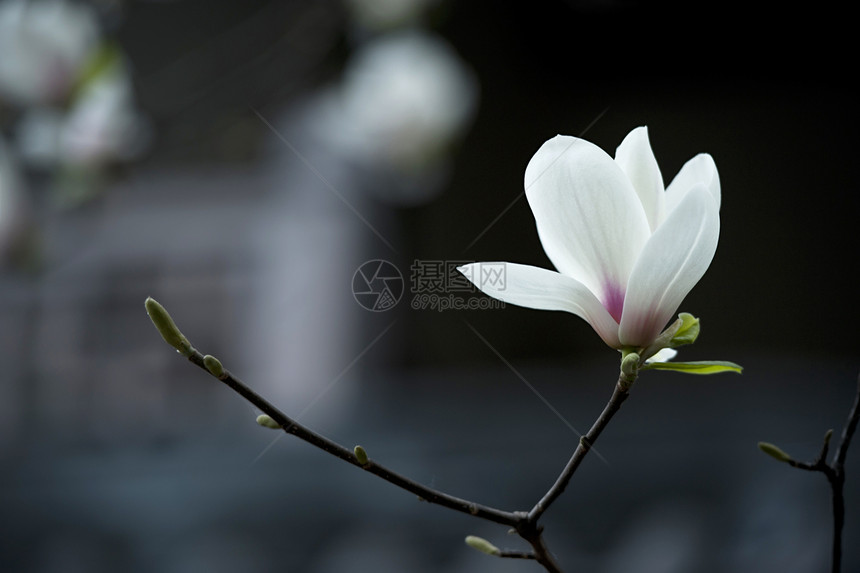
167, 328
213, 365
630, 366
482, 545
774, 452
267, 422
360, 455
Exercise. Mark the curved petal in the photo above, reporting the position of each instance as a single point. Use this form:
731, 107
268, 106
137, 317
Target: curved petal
542, 289
637, 160
671, 263
700, 169
589, 218
663, 355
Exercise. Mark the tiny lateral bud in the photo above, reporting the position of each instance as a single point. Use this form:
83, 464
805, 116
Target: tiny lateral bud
360, 455
166, 327
828, 435
774, 452
213, 365
482, 545
267, 422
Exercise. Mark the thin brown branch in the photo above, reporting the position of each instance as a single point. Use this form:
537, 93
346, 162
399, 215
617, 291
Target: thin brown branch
534, 535
619, 395
291, 426
516, 554
524, 523
836, 477
848, 431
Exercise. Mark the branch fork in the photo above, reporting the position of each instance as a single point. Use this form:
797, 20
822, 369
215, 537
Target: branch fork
833, 471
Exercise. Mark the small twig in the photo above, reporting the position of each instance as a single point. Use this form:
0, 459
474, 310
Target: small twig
834, 472
848, 431
517, 554
837, 479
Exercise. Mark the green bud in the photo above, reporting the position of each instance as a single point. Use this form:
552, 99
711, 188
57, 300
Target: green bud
267, 422
482, 545
630, 366
213, 365
774, 452
688, 332
360, 455
167, 328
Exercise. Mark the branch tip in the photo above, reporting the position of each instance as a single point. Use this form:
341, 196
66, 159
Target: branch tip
167, 328
267, 422
774, 452
482, 545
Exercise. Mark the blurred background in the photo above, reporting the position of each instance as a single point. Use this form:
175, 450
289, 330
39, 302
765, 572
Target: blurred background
241, 161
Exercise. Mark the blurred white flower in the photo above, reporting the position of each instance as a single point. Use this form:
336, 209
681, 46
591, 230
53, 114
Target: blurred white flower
101, 126
404, 100
44, 45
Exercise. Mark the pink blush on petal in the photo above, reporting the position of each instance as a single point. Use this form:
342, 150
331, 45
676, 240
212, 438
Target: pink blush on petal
613, 299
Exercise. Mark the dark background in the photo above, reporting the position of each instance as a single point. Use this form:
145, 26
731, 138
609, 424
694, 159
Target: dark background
117, 455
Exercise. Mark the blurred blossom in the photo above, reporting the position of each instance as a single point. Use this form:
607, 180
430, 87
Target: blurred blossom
44, 47
386, 14
103, 124
404, 101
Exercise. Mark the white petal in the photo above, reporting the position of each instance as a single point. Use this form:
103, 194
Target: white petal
636, 159
672, 262
588, 215
664, 355
542, 289
700, 169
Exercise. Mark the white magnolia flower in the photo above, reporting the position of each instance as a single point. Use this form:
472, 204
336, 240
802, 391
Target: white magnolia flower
627, 250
